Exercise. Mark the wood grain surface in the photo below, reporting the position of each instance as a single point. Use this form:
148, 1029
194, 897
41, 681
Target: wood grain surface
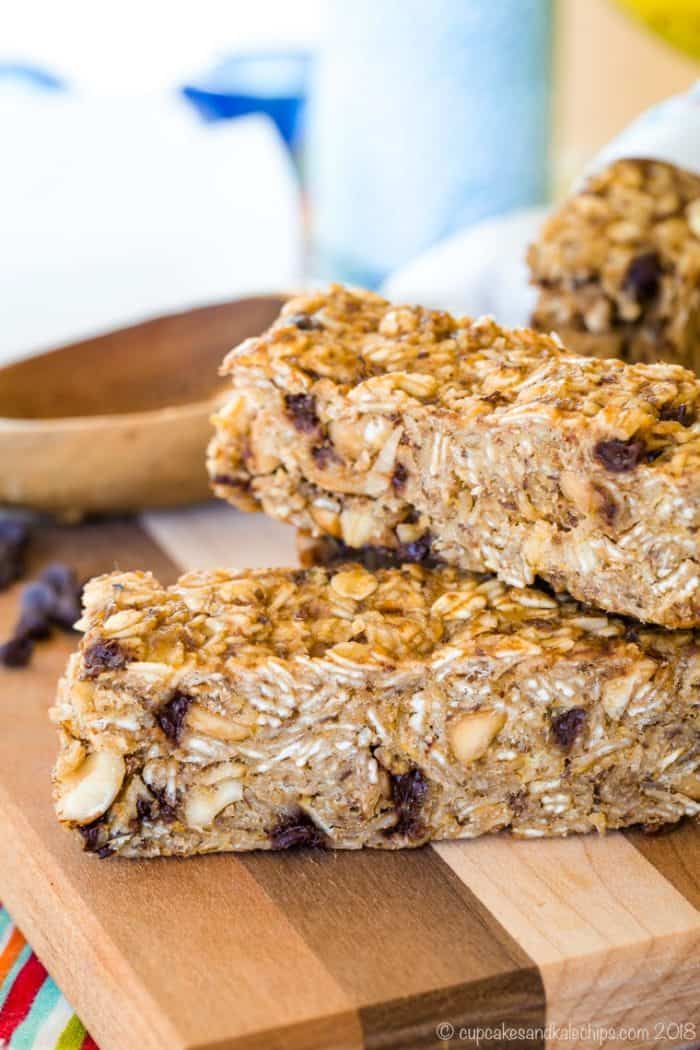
509, 941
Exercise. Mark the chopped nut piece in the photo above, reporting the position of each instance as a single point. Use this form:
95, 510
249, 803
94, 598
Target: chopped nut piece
88, 793
356, 527
204, 804
471, 735
203, 721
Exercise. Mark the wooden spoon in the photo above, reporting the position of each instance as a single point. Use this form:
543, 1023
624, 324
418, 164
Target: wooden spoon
121, 421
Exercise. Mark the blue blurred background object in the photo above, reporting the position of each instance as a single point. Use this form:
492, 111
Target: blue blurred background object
274, 84
424, 118
30, 76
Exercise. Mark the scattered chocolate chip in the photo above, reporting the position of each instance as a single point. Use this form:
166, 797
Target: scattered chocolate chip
171, 716
408, 793
223, 479
399, 478
104, 851
567, 725
643, 277
417, 551
296, 830
14, 537
66, 590
301, 408
305, 322
324, 454
16, 652
36, 605
682, 414
109, 655
620, 456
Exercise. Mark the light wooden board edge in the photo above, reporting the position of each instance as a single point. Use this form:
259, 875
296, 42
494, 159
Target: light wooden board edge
594, 892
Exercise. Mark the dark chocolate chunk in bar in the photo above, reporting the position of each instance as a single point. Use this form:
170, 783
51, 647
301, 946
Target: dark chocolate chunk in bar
171, 717
567, 725
620, 456
297, 830
301, 409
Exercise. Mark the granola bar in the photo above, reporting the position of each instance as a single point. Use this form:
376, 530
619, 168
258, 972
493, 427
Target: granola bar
343, 708
618, 265
406, 430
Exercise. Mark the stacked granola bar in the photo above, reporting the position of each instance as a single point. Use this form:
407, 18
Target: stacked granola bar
418, 686
618, 265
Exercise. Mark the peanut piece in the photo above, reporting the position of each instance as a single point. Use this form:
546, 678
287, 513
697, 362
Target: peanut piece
89, 792
471, 735
203, 721
204, 804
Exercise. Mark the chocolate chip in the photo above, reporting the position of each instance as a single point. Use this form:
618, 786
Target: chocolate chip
305, 322
620, 456
567, 725
104, 851
408, 793
91, 835
144, 809
607, 507
16, 652
301, 408
171, 716
36, 604
417, 551
109, 655
643, 277
166, 812
517, 801
296, 830
64, 585
398, 478
682, 414
223, 479
14, 537
324, 454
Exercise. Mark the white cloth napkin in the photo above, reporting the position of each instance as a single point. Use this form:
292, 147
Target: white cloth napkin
482, 269
114, 210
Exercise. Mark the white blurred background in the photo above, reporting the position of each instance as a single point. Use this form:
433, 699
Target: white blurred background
119, 201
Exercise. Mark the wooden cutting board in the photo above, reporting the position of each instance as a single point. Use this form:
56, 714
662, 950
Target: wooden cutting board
588, 942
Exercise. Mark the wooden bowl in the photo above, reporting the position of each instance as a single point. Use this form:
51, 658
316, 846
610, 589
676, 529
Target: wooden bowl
121, 421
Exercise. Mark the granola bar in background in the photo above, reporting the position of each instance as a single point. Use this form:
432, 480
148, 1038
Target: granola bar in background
406, 430
617, 266
343, 708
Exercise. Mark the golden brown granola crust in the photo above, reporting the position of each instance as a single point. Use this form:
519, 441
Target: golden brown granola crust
347, 708
618, 265
494, 450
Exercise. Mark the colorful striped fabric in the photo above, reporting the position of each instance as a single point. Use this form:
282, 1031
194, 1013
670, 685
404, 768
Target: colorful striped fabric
33, 1013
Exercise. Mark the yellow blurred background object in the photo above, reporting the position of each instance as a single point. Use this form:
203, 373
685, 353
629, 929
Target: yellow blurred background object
609, 68
677, 21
